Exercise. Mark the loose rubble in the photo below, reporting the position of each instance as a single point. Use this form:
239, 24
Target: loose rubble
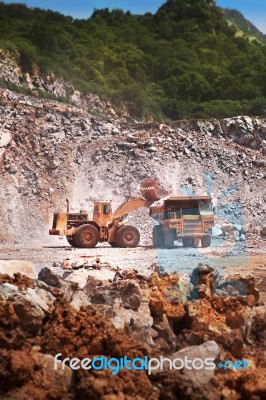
134, 315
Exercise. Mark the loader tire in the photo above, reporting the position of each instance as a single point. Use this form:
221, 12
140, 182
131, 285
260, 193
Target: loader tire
187, 242
87, 236
158, 237
127, 236
206, 241
169, 239
71, 241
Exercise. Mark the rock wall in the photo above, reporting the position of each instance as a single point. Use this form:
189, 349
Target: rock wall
243, 130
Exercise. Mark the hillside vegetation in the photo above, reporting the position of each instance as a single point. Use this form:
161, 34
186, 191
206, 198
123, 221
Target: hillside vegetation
184, 61
243, 26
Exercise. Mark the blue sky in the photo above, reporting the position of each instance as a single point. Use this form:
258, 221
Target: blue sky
254, 10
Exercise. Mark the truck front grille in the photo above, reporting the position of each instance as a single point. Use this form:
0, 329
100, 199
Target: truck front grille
192, 226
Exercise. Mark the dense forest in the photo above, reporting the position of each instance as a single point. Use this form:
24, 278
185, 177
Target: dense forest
184, 61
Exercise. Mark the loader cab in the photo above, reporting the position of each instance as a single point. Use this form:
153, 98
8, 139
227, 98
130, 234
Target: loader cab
102, 212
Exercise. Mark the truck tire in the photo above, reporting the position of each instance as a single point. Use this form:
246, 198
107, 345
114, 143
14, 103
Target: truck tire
196, 242
127, 236
206, 241
87, 236
169, 239
187, 242
158, 237
71, 241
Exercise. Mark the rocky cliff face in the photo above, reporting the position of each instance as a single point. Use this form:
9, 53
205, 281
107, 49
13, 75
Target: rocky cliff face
41, 85
10, 71
51, 151
243, 130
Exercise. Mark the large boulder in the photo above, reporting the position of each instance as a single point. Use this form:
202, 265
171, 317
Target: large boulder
49, 277
28, 307
202, 280
165, 338
243, 285
29, 313
127, 291
137, 322
7, 290
56, 284
199, 376
240, 320
81, 276
43, 298
80, 299
91, 284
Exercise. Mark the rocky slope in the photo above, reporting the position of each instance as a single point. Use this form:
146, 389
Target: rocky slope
51, 151
43, 85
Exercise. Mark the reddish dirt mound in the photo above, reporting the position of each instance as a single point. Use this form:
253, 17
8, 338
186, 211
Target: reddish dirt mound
27, 360
87, 334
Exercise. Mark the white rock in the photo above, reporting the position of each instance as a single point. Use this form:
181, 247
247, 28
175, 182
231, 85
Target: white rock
59, 135
80, 276
209, 349
7, 290
80, 299
45, 300
11, 267
5, 137
216, 231
118, 322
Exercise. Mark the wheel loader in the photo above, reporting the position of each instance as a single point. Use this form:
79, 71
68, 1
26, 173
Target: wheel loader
105, 226
189, 219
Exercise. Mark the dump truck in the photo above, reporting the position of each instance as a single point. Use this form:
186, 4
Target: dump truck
186, 218
105, 226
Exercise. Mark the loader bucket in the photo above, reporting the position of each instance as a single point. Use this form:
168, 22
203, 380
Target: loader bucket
151, 189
